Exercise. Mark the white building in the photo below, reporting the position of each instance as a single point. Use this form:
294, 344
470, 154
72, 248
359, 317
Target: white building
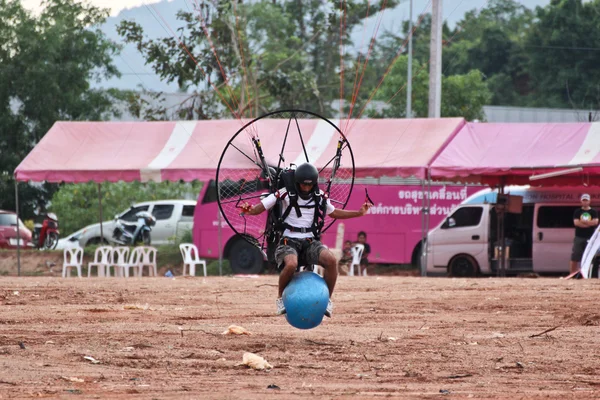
529, 114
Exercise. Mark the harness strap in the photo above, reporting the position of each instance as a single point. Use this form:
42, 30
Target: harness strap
320, 212
293, 198
318, 219
319, 204
298, 229
308, 206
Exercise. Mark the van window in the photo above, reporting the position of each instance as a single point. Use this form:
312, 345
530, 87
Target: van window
210, 195
556, 216
465, 216
163, 211
188, 213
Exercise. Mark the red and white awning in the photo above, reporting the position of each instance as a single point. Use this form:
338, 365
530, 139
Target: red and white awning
511, 153
190, 150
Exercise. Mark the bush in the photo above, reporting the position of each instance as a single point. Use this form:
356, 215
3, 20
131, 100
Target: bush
187, 237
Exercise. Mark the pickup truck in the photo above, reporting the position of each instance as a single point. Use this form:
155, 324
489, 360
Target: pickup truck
173, 218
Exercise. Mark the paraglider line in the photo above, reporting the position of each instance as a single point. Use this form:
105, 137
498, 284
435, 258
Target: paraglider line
301, 139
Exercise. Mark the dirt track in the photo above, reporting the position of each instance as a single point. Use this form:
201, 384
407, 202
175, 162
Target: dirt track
397, 337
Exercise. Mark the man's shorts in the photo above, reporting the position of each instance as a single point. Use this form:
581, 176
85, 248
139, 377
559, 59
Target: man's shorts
307, 250
579, 245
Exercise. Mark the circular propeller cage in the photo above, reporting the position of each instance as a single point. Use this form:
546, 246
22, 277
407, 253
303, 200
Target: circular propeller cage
249, 166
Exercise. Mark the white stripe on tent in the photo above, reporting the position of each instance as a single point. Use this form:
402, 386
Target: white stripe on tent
318, 141
182, 132
589, 148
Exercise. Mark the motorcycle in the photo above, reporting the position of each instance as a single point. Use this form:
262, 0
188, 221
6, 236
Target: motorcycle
45, 235
130, 233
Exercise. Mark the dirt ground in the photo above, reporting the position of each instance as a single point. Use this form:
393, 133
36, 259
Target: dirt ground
396, 337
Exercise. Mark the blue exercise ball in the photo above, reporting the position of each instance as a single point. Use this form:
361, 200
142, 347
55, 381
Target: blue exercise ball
305, 299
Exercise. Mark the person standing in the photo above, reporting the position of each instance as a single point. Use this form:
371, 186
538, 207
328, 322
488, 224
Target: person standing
585, 220
364, 259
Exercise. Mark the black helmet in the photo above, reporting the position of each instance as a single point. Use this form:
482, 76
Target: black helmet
307, 173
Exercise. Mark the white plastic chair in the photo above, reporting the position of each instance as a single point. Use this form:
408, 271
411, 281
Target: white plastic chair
132, 262
73, 259
120, 254
102, 260
148, 259
189, 253
356, 251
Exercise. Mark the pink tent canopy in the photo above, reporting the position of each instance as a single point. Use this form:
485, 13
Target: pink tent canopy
188, 150
512, 153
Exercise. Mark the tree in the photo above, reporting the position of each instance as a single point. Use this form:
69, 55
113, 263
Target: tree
271, 54
46, 65
77, 205
492, 41
487, 40
563, 52
462, 95
465, 95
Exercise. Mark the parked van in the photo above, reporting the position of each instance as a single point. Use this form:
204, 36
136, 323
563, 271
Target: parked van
538, 229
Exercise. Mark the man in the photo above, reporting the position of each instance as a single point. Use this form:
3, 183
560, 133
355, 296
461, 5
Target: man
298, 240
364, 259
585, 220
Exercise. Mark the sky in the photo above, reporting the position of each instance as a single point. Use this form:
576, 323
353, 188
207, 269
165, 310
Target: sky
118, 5
115, 6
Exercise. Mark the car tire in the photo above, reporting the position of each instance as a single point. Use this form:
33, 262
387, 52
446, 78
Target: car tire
463, 266
244, 258
415, 258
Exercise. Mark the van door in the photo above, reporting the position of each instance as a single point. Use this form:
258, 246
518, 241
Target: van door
465, 231
553, 233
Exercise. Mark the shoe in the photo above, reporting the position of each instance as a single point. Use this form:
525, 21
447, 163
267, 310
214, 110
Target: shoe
280, 306
329, 309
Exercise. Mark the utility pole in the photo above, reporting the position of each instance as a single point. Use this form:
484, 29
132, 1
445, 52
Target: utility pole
435, 64
410, 55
